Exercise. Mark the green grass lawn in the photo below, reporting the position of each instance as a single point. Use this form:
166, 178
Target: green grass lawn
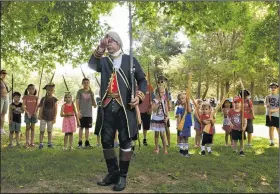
53, 170
259, 119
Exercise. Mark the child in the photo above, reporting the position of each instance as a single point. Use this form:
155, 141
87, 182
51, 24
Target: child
30, 102
227, 105
250, 115
197, 126
184, 111
69, 113
235, 117
15, 111
178, 104
272, 111
47, 114
84, 102
159, 119
206, 119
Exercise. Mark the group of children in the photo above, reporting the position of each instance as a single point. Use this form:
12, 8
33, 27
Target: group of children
46, 111
235, 123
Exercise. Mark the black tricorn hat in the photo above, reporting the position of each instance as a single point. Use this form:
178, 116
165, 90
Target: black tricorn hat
246, 93
52, 85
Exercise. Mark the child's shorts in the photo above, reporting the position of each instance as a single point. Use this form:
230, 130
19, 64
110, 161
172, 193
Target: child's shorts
207, 139
237, 135
43, 124
274, 122
31, 120
15, 127
86, 122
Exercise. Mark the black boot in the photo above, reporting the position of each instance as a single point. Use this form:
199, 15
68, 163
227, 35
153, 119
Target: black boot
113, 168
125, 158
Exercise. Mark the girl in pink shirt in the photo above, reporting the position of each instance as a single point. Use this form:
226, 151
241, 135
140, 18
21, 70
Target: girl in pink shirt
30, 102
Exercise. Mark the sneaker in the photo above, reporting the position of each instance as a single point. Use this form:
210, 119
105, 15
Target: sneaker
241, 153
41, 146
210, 152
32, 145
249, 145
87, 144
71, 148
64, 149
187, 153
50, 145
80, 144
181, 152
167, 145
271, 144
145, 142
3, 132
235, 151
203, 153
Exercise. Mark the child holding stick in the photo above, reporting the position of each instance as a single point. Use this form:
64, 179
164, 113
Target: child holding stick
227, 105
184, 111
235, 117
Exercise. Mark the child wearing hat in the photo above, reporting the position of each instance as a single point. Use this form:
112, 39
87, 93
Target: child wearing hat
237, 127
272, 111
47, 114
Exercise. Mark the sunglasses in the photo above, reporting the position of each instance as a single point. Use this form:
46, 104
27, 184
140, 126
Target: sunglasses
273, 87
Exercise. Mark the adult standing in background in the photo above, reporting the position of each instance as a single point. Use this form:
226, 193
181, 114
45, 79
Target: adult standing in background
4, 99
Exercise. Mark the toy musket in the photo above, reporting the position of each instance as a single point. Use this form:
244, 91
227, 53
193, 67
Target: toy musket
75, 111
39, 90
242, 109
132, 70
97, 81
91, 94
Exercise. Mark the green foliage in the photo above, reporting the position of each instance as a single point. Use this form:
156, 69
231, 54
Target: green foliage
50, 32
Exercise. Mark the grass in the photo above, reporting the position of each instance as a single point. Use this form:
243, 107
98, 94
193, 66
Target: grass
259, 119
53, 170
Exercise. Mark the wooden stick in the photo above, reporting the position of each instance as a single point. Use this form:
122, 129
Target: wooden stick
242, 109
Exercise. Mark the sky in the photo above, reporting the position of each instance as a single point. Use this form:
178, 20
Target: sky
118, 20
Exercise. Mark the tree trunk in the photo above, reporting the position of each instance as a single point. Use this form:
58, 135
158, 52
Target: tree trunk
198, 88
227, 86
252, 90
218, 88
206, 89
222, 91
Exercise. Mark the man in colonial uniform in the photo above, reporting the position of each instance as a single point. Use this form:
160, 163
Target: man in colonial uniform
118, 110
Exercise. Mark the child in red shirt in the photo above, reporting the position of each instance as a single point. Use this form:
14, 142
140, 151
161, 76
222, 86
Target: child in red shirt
206, 119
235, 117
